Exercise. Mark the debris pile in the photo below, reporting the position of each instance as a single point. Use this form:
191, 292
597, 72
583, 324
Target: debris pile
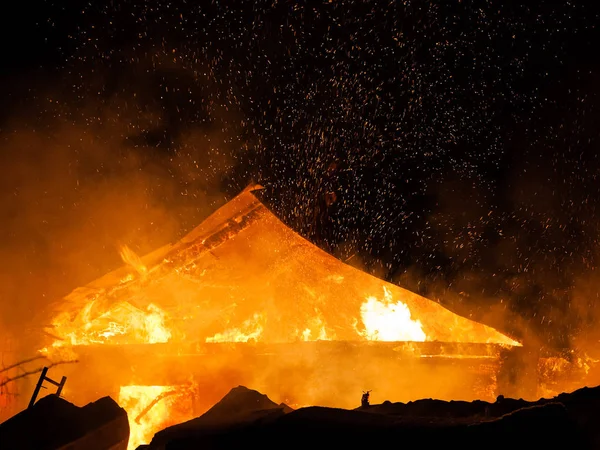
248, 418
240, 407
54, 423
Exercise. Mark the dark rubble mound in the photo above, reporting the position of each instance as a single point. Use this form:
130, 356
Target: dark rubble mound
240, 407
582, 405
240, 401
582, 401
54, 423
545, 426
441, 409
429, 408
567, 421
286, 409
539, 426
317, 417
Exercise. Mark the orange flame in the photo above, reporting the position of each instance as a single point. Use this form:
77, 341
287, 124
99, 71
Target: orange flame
316, 330
243, 276
123, 323
389, 321
250, 330
130, 258
151, 408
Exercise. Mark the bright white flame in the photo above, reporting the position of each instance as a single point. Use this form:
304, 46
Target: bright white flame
386, 320
146, 411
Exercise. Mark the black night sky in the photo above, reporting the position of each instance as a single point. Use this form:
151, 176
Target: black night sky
447, 146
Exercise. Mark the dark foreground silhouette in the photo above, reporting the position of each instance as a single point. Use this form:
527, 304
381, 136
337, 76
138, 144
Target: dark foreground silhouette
245, 418
248, 419
53, 423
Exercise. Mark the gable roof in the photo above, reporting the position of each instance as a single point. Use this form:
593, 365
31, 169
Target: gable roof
242, 274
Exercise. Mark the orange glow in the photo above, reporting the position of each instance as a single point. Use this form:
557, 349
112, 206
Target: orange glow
250, 330
130, 258
316, 330
123, 323
243, 276
151, 408
389, 321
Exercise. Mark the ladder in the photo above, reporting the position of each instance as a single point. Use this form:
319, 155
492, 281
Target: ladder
40, 383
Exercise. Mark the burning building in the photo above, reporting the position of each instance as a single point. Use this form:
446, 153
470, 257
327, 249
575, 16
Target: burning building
242, 299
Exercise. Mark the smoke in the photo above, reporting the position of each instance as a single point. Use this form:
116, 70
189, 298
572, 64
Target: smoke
83, 174
517, 252
585, 313
328, 374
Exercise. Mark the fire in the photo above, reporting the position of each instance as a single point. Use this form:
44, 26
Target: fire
242, 276
130, 258
250, 330
122, 323
316, 330
386, 320
152, 408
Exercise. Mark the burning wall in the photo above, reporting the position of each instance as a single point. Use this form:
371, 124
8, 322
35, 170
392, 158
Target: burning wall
232, 303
